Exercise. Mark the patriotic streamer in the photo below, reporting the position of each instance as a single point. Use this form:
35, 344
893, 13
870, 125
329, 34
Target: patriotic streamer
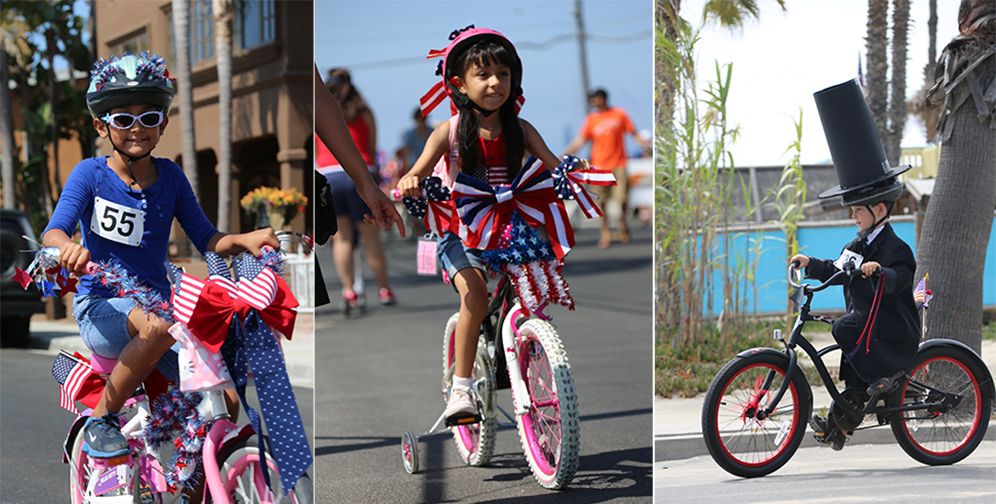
488, 210
567, 180
45, 272
176, 413
434, 208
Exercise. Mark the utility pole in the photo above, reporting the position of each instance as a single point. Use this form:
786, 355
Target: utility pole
583, 54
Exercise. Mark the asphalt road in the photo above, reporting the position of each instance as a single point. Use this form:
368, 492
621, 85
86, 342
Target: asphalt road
378, 376
860, 473
33, 428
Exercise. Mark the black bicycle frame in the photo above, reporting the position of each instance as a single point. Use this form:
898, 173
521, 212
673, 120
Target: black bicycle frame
798, 340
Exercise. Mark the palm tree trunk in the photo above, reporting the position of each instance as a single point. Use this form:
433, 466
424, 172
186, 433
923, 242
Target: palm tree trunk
877, 66
223, 49
188, 142
50, 45
897, 102
928, 69
960, 214
6, 135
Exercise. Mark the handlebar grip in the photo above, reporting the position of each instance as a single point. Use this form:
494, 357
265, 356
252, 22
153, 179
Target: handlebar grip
396, 194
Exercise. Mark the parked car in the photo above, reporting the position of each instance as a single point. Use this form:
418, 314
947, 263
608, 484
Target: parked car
17, 305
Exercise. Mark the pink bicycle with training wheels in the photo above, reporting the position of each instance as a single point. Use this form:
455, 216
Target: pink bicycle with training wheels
531, 360
226, 455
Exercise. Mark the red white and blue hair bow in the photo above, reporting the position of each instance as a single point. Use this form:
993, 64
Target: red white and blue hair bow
434, 208
567, 180
487, 210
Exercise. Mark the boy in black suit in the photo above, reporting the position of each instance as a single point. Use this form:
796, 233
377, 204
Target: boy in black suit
880, 332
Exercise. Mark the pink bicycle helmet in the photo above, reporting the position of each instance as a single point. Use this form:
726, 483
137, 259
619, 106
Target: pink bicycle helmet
460, 40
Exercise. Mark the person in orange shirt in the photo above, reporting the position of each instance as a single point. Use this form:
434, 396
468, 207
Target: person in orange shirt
606, 128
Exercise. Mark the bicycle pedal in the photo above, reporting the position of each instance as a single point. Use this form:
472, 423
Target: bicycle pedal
456, 421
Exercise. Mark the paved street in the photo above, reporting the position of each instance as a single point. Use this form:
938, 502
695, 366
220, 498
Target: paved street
860, 473
378, 376
33, 427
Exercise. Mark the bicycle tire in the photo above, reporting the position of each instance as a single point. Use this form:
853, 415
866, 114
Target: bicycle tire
732, 457
540, 350
474, 442
973, 409
302, 493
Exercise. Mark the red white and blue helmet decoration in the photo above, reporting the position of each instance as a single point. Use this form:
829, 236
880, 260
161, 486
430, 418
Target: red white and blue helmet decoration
460, 40
129, 79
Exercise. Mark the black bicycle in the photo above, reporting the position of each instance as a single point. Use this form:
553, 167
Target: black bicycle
756, 408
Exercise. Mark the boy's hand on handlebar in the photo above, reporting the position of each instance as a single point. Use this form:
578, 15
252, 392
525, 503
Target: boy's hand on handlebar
870, 268
254, 241
801, 260
74, 257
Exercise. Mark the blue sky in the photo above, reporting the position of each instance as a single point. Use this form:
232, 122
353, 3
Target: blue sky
780, 60
384, 45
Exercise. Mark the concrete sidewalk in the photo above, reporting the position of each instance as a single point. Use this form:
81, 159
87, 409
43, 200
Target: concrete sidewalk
678, 422
49, 336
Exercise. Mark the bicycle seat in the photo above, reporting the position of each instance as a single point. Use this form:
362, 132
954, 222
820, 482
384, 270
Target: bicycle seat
102, 365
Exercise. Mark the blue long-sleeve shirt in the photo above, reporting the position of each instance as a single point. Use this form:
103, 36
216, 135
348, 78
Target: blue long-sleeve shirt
111, 214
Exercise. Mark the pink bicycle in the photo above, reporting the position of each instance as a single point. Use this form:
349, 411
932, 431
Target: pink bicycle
531, 362
230, 460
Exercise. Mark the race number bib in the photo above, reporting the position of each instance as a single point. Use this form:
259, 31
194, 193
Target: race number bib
116, 222
846, 256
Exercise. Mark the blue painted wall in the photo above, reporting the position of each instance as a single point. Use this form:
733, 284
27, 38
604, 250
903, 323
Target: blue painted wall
824, 242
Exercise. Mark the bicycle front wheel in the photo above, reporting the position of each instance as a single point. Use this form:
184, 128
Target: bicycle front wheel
947, 433
475, 442
550, 430
242, 475
740, 442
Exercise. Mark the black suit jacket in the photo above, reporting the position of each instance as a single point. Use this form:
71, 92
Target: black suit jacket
896, 334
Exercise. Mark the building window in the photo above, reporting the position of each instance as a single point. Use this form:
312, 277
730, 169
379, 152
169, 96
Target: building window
134, 43
255, 23
202, 31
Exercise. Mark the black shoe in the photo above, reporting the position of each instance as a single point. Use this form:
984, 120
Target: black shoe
826, 432
102, 437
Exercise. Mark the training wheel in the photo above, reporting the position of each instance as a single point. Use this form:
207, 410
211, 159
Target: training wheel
409, 452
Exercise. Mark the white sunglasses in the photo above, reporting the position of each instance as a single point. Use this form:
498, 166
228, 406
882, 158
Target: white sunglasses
124, 121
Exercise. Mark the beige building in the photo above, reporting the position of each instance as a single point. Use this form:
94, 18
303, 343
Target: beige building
272, 96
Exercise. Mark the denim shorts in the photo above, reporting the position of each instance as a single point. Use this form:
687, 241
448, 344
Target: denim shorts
345, 199
103, 324
454, 256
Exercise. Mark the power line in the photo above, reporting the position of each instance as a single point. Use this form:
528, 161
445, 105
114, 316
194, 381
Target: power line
527, 45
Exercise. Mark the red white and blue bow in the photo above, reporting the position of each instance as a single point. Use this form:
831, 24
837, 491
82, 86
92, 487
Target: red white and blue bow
434, 208
567, 180
487, 210
207, 306
238, 317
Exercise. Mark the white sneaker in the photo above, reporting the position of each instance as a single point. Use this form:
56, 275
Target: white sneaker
460, 404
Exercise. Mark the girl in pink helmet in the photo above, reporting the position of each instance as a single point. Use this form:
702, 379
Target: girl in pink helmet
482, 75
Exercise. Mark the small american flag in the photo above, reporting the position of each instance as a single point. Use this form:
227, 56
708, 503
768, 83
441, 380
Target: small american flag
71, 374
257, 283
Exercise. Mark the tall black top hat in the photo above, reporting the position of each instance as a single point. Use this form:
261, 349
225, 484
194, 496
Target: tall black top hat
858, 157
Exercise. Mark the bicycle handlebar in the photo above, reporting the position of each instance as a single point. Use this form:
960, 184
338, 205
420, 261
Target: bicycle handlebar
794, 267
847, 271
